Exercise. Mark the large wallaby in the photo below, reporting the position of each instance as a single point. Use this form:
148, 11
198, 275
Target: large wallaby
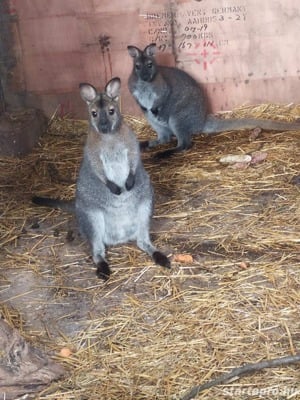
114, 195
175, 105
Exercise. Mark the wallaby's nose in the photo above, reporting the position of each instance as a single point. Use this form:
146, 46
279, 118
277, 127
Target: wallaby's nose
104, 129
103, 122
145, 75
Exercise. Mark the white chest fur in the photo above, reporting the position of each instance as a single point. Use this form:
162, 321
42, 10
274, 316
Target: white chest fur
145, 95
116, 164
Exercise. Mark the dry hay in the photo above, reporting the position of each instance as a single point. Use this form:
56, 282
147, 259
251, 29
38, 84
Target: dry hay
149, 333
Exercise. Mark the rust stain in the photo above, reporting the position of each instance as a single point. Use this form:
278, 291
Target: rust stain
104, 42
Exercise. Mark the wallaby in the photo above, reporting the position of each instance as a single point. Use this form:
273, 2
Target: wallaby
175, 104
114, 196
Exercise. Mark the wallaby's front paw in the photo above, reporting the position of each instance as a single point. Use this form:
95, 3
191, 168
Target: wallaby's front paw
160, 259
103, 270
155, 111
130, 181
115, 189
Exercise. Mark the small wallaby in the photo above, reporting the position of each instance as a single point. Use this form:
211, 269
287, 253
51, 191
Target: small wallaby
175, 104
114, 195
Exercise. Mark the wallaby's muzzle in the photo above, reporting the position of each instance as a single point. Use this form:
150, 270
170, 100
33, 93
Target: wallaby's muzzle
104, 128
146, 74
104, 124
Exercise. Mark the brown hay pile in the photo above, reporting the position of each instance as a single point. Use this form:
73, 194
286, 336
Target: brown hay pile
149, 333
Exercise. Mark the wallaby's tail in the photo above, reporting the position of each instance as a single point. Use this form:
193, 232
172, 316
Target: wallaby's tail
214, 125
65, 205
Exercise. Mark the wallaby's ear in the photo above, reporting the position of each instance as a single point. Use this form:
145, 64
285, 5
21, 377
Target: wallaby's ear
150, 50
88, 92
112, 89
134, 51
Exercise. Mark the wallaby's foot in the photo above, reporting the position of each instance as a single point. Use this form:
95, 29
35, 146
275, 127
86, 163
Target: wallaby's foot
150, 144
160, 259
144, 145
103, 270
166, 153
169, 152
130, 181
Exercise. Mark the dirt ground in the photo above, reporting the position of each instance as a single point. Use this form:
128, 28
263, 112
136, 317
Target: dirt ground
149, 332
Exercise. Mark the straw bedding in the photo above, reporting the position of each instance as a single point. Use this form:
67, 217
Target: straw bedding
150, 333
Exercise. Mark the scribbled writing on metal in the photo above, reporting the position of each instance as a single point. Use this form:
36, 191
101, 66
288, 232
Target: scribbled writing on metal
196, 32
204, 53
160, 26
230, 10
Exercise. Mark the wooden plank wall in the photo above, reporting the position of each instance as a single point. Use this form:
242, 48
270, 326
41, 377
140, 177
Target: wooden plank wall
245, 52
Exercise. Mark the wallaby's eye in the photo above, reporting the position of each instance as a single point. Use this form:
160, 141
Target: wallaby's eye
94, 114
111, 111
149, 65
138, 66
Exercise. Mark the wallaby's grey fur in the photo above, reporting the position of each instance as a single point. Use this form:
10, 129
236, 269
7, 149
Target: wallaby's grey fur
114, 195
175, 104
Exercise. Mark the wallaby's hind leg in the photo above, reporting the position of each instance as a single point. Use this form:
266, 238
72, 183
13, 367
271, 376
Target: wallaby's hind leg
184, 141
182, 145
164, 135
92, 227
143, 236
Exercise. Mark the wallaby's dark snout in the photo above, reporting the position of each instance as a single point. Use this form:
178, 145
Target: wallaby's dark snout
146, 71
105, 125
147, 75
